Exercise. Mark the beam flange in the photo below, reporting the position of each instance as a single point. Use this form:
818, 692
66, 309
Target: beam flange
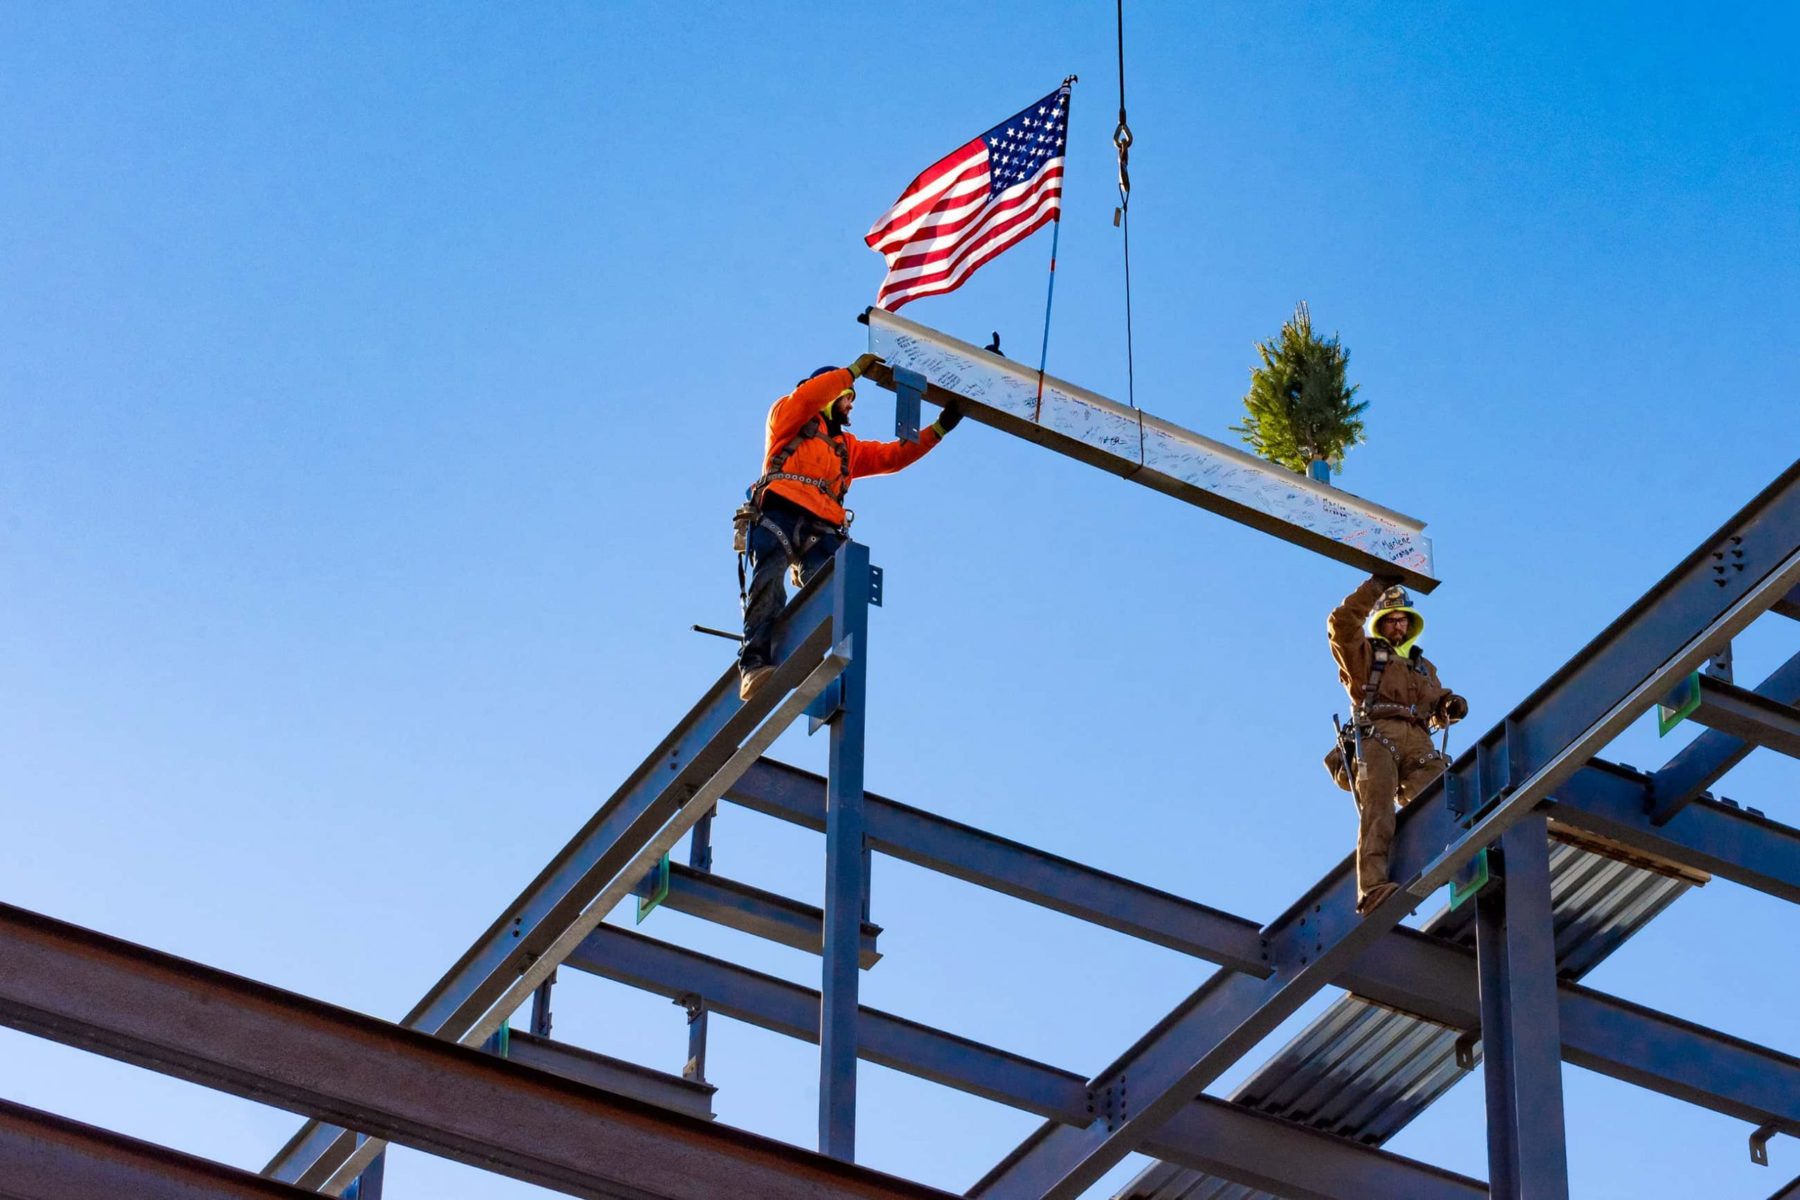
203, 1025
1014, 869
1747, 716
1158, 454
46, 1157
752, 910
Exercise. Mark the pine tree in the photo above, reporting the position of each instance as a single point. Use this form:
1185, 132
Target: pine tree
1299, 408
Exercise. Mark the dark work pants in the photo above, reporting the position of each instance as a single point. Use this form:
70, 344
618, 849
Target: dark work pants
769, 563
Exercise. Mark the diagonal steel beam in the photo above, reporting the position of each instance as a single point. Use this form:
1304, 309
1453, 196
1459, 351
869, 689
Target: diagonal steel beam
206, 1026
1014, 869
1706, 759
523, 946
1614, 680
45, 1157
1157, 454
1232, 1141
1789, 606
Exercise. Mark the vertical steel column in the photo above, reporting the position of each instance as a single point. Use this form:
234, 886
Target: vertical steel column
1521, 1036
844, 862
540, 1007
367, 1186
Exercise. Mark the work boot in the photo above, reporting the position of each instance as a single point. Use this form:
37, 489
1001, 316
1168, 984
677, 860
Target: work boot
752, 678
1375, 895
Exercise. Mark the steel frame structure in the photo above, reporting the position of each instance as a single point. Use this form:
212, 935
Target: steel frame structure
540, 1110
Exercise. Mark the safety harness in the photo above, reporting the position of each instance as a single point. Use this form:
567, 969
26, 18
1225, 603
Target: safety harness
750, 513
1366, 712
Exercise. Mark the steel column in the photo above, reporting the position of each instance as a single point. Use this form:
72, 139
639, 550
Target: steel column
223, 1031
845, 864
1611, 682
1521, 1040
371, 1182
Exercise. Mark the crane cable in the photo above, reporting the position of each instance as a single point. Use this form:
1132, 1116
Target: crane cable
1122, 220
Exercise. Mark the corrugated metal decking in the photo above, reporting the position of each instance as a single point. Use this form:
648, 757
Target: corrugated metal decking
1362, 1071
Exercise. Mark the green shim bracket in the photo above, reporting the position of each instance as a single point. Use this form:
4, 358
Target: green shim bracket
1470, 880
654, 890
1668, 718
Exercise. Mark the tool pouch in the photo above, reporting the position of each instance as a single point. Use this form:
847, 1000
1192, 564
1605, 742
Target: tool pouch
1337, 765
741, 521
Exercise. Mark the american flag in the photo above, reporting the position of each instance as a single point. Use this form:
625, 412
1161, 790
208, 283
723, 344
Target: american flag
970, 205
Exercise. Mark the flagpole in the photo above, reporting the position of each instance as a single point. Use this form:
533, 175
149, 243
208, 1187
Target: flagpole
1050, 292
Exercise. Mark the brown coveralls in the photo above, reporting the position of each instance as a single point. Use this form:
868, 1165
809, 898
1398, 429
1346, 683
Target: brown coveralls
1398, 759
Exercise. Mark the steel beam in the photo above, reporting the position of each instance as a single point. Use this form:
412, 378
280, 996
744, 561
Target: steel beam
1014, 869
1521, 1039
45, 1157
1728, 842
1792, 1190
1747, 716
1210, 1134
1614, 680
703, 754
196, 1023
1789, 606
846, 861
1130, 443
754, 911
609, 1074
1405, 970
1706, 759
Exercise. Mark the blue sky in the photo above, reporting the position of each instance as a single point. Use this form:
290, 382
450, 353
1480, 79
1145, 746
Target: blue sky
377, 385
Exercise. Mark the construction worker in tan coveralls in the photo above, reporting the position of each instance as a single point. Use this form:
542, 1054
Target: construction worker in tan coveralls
1396, 703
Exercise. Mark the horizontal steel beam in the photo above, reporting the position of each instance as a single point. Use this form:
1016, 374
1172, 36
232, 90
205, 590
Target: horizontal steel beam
1408, 971
1747, 716
1704, 761
1014, 869
615, 1075
1158, 454
1234, 1142
45, 1157
1518, 764
1727, 842
522, 947
754, 911
196, 1023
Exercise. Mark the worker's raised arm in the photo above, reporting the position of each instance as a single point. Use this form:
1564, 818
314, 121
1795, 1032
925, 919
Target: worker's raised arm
1349, 644
884, 458
806, 402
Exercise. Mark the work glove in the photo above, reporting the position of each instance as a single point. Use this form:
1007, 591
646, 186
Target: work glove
949, 419
1452, 708
862, 364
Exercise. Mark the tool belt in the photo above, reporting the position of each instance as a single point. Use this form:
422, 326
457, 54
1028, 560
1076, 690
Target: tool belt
1393, 712
811, 528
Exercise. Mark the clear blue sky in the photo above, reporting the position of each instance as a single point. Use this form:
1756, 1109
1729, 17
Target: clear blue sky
376, 386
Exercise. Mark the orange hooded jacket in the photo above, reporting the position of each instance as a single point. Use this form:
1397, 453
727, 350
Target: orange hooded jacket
816, 459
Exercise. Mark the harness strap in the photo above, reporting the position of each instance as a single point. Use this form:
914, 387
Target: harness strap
815, 428
1380, 654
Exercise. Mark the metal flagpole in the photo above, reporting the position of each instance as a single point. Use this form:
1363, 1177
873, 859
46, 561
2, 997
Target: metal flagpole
1050, 292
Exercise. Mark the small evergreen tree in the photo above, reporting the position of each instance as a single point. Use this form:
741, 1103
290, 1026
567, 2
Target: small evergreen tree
1300, 408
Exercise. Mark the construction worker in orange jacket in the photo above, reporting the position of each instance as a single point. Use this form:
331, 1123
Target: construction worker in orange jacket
1396, 701
796, 513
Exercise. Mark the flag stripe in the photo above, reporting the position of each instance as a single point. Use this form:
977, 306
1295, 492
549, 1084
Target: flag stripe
974, 203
